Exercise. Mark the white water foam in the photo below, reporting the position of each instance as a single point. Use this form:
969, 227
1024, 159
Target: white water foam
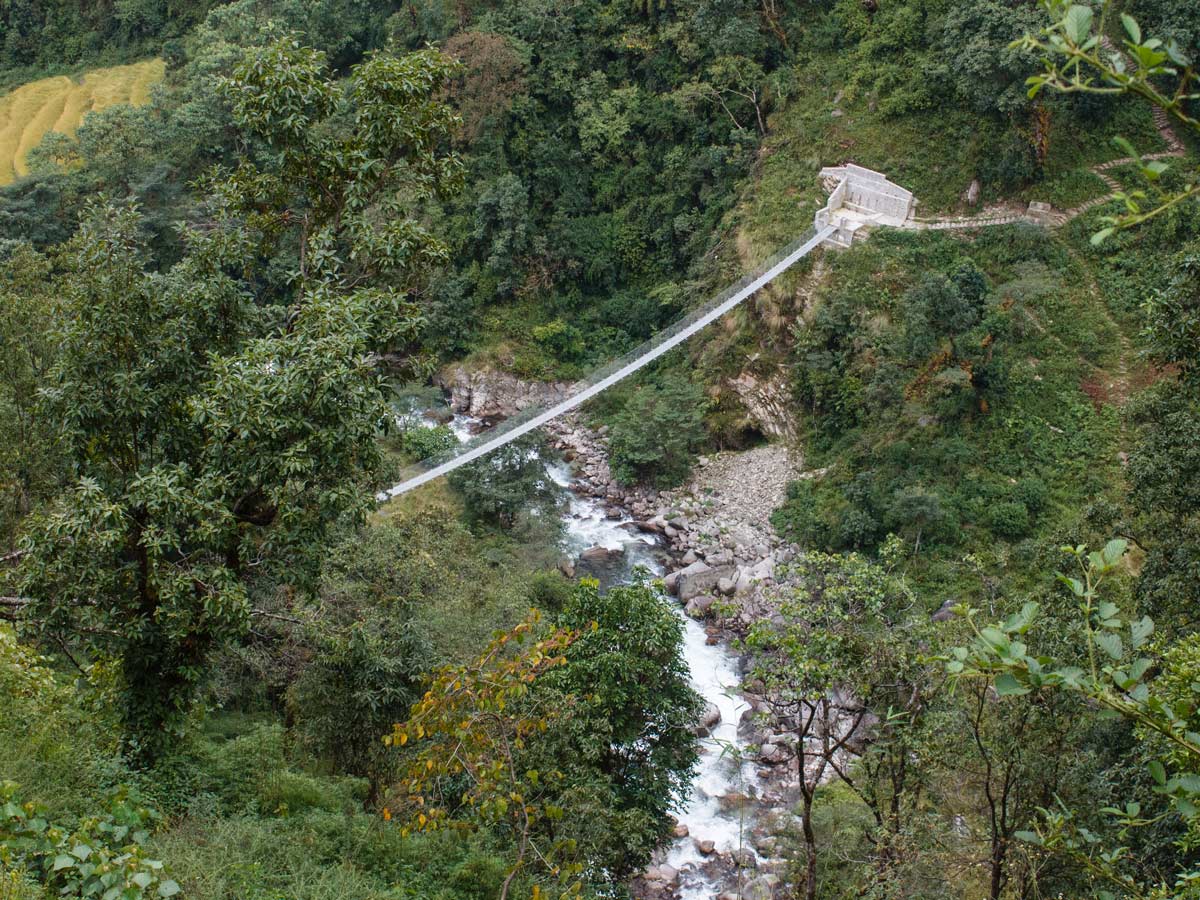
714, 676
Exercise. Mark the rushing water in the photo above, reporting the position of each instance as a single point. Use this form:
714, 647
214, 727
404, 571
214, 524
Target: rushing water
714, 811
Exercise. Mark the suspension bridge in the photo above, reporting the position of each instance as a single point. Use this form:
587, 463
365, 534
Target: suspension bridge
859, 200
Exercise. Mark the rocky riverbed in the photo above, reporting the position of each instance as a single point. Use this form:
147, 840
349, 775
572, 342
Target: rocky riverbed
710, 540
732, 839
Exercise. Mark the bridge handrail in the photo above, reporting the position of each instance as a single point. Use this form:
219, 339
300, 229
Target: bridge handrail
605, 376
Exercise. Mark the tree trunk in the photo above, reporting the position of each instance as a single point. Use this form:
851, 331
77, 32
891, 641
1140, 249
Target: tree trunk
810, 847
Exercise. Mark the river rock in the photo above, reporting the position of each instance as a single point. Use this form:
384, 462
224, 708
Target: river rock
764, 570
725, 586
663, 874
567, 567
698, 607
708, 721
720, 558
695, 579
706, 848
671, 583
689, 558
761, 888
773, 754
602, 554
744, 858
680, 830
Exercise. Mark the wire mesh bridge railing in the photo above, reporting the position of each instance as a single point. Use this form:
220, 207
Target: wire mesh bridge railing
608, 375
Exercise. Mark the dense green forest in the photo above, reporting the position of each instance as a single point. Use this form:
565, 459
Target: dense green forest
227, 672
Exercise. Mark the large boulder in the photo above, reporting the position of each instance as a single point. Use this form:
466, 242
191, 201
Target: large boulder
698, 607
664, 874
602, 554
700, 578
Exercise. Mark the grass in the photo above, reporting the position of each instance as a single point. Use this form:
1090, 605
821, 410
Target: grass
33, 110
1068, 190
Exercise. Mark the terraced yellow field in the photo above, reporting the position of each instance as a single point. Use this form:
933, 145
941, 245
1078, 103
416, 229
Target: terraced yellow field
59, 104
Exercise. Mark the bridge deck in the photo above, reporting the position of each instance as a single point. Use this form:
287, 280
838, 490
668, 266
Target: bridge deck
607, 376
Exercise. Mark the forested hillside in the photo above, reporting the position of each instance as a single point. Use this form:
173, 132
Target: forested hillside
883, 585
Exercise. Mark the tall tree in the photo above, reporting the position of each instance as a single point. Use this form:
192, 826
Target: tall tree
218, 430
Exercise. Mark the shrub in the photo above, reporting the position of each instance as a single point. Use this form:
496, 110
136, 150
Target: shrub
655, 434
549, 591
1033, 493
361, 679
103, 855
425, 443
287, 793
1009, 519
562, 341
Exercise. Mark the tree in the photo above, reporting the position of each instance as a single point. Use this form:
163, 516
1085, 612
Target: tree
469, 731
492, 78
656, 432
843, 664
361, 679
217, 435
1120, 671
28, 457
628, 750
506, 483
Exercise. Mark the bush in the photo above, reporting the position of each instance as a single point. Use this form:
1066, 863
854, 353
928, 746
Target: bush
655, 434
425, 443
560, 340
288, 793
103, 855
1033, 493
549, 591
1009, 519
361, 679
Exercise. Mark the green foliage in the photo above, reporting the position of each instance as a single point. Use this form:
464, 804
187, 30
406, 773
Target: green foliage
361, 679
420, 442
506, 486
657, 431
30, 464
934, 402
209, 431
1009, 519
846, 648
1159, 71
625, 758
104, 856
1118, 672
471, 727
63, 33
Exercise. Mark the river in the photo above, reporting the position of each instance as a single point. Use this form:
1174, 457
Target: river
716, 816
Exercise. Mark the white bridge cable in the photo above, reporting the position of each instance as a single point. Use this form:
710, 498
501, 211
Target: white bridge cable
606, 376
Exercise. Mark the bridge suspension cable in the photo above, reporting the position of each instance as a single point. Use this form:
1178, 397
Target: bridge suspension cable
606, 376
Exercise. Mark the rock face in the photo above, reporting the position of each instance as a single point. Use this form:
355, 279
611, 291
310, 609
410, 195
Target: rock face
768, 402
488, 394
